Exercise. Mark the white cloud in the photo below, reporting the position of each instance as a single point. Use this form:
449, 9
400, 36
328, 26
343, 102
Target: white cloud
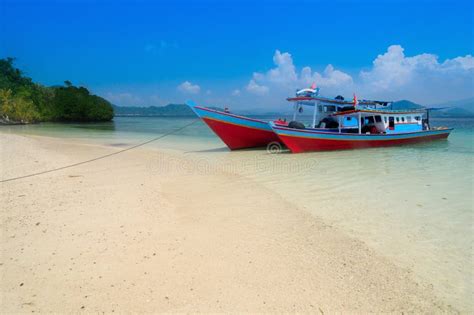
465, 63
393, 69
285, 71
236, 92
188, 87
284, 78
421, 77
254, 88
393, 75
329, 78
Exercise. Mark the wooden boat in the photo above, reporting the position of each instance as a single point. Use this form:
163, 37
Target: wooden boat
237, 132
362, 128
336, 124
241, 132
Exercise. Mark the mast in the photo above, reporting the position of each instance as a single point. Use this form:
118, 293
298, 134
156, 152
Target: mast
428, 119
315, 113
359, 116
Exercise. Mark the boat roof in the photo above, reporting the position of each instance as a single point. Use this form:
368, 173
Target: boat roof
379, 111
336, 101
319, 98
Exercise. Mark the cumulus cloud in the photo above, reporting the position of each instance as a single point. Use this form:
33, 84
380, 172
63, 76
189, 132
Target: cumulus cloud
421, 77
329, 78
284, 77
255, 88
189, 88
393, 75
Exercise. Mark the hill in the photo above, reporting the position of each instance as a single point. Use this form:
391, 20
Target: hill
23, 101
455, 109
465, 104
405, 104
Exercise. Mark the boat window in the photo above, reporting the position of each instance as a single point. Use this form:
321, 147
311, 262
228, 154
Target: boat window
348, 118
391, 122
417, 118
385, 119
369, 120
403, 119
378, 119
408, 118
320, 108
398, 119
330, 108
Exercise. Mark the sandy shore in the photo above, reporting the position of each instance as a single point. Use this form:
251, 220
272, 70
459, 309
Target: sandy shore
133, 233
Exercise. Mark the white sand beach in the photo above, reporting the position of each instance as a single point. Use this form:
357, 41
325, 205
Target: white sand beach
136, 233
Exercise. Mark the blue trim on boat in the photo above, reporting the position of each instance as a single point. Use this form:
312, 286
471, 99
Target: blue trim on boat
309, 133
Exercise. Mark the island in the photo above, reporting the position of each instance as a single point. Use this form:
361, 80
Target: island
23, 101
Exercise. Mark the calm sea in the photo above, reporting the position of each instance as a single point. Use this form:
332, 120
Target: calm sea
413, 204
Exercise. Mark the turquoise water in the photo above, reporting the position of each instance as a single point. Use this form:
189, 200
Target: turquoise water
413, 204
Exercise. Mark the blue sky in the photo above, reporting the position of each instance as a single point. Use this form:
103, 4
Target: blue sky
152, 53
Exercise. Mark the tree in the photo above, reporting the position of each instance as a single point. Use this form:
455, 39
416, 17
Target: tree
17, 108
24, 100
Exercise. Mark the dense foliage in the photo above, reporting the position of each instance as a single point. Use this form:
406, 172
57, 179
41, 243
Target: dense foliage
22, 100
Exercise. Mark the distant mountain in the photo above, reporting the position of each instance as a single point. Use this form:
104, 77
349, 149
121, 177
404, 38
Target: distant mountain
464, 105
455, 109
168, 110
405, 104
454, 112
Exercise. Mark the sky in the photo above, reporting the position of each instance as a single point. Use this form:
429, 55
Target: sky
244, 54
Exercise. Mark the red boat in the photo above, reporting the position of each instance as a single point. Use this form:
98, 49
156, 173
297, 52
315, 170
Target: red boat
237, 132
362, 128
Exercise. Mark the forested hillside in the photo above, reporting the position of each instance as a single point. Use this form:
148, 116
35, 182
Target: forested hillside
24, 101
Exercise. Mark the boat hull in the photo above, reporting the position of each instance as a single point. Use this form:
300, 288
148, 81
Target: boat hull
237, 132
301, 140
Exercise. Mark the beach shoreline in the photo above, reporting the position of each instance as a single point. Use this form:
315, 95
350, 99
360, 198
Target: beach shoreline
135, 233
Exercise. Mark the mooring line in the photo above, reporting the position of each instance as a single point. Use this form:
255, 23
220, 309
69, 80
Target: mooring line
100, 157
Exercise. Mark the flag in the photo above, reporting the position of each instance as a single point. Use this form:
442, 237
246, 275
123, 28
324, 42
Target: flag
313, 86
355, 100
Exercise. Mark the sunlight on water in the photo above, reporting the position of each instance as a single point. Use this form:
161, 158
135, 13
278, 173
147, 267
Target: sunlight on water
413, 204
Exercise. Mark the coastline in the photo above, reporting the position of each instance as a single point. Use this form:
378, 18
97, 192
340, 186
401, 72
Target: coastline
135, 233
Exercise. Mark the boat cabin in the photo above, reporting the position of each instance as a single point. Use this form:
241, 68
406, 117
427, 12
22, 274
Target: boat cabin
380, 121
364, 116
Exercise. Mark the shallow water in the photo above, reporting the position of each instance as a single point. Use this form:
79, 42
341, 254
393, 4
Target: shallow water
413, 204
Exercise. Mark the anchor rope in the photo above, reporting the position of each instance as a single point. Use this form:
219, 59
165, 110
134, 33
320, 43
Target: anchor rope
100, 157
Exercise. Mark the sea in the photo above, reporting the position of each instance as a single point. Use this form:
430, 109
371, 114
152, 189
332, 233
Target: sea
412, 204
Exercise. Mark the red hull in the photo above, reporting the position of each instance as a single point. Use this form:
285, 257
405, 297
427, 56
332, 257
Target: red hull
240, 137
300, 144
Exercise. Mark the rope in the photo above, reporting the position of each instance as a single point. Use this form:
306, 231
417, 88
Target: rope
99, 157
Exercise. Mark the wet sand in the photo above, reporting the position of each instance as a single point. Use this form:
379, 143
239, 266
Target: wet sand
135, 233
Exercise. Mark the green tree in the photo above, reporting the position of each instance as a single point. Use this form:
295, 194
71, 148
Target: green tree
24, 100
17, 108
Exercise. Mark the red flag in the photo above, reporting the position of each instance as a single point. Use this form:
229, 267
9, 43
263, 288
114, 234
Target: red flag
313, 86
355, 100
